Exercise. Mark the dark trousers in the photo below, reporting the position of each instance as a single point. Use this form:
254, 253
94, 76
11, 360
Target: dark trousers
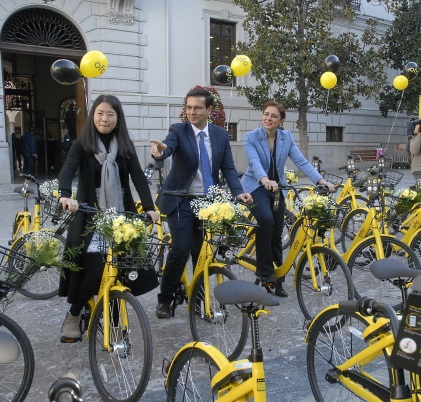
29, 164
186, 238
269, 232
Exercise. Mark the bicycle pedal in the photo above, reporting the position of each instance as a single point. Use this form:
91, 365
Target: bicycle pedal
63, 339
269, 288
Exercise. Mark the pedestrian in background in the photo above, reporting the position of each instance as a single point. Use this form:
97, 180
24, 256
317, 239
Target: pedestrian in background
415, 150
29, 151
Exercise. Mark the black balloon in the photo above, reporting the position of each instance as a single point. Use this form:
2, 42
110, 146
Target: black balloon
332, 63
223, 75
65, 72
411, 70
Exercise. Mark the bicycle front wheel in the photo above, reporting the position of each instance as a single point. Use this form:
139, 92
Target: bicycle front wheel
121, 373
17, 361
44, 283
226, 328
190, 377
334, 281
366, 284
333, 339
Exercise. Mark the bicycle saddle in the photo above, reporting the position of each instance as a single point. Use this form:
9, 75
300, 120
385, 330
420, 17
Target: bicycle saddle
240, 291
389, 268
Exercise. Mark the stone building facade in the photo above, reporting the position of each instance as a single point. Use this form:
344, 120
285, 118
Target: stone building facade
156, 51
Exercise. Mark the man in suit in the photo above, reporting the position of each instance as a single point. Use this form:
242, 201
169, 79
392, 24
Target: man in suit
183, 143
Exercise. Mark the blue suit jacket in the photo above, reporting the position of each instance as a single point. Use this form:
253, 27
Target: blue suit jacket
256, 147
182, 146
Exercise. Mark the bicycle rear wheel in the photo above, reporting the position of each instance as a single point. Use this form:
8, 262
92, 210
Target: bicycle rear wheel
190, 377
17, 362
367, 284
123, 372
333, 339
227, 328
44, 283
334, 286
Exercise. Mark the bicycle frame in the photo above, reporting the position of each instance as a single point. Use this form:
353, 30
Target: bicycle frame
108, 284
206, 257
303, 241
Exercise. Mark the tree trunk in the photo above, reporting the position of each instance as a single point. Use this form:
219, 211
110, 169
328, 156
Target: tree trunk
302, 128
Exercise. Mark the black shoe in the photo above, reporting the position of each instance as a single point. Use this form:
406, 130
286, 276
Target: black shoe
279, 290
163, 310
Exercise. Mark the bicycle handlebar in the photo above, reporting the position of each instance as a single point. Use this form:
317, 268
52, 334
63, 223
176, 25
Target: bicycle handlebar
367, 306
183, 194
85, 208
29, 177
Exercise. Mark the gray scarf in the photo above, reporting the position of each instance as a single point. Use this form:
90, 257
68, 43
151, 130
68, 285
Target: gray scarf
110, 194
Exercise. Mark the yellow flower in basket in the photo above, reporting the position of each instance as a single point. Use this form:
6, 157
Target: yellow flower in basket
126, 233
291, 176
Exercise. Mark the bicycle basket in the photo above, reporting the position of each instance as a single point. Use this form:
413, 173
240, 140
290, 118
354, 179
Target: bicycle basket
399, 207
236, 235
325, 219
390, 178
16, 268
52, 208
152, 254
335, 180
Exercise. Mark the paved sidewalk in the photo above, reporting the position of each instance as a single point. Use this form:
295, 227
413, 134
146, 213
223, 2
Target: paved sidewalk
282, 334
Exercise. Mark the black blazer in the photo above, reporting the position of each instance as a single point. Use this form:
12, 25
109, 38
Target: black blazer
182, 146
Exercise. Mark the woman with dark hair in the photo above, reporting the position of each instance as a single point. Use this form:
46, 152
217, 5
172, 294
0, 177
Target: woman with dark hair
106, 158
267, 149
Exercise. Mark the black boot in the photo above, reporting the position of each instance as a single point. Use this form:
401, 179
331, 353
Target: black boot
279, 290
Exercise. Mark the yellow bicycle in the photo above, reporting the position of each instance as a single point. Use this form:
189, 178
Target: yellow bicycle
350, 345
118, 330
200, 372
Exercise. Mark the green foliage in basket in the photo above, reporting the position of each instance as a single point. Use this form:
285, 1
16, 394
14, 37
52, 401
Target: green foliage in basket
405, 199
47, 251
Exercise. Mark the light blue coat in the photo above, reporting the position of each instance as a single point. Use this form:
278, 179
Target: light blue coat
256, 147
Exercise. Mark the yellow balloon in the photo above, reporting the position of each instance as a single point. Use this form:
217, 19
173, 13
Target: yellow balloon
93, 64
400, 82
328, 80
241, 65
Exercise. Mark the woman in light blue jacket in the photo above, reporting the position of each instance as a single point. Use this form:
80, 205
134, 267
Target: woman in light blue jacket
267, 149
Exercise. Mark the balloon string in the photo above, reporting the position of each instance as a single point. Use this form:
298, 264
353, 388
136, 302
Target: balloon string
86, 95
394, 121
230, 108
327, 100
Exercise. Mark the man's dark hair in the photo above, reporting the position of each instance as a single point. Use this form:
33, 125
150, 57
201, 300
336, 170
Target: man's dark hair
200, 93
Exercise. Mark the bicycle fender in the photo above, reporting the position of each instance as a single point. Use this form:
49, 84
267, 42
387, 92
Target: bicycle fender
120, 288
211, 265
210, 350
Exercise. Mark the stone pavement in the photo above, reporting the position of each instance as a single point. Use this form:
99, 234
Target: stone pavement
282, 334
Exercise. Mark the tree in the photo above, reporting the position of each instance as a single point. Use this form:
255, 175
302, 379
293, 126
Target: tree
402, 46
288, 41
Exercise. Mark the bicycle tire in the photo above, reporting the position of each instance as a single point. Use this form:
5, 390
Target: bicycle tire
416, 244
351, 226
122, 373
344, 208
228, 329
333, 339
365, 283
16, 377
16, 230
335, 286
196, 368
43, 284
